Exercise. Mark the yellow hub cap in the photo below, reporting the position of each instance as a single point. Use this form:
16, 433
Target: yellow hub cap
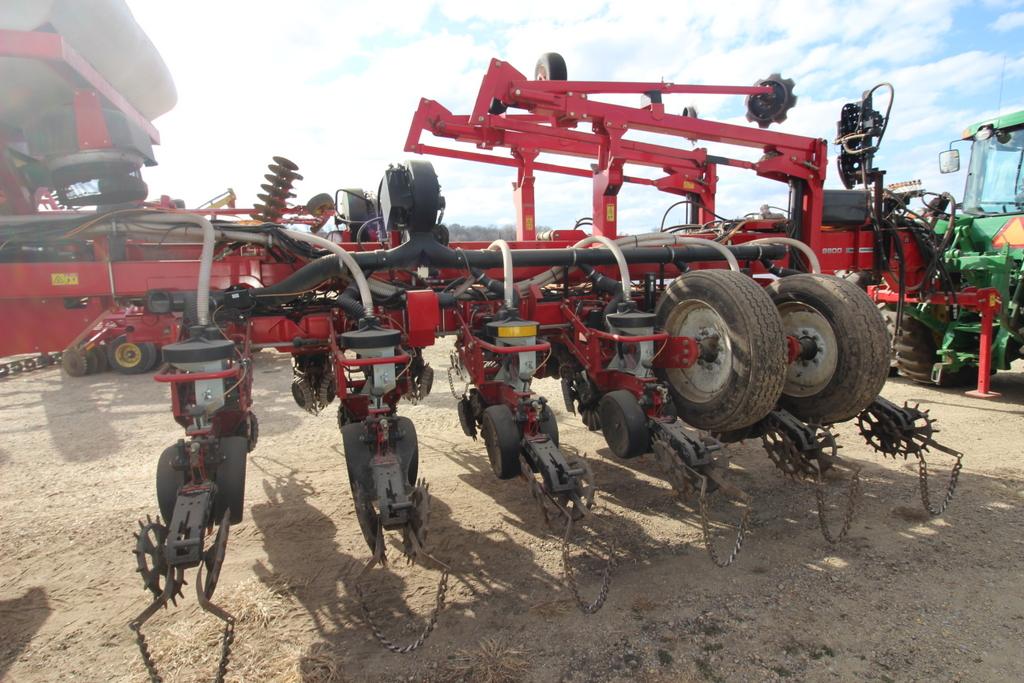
128, 355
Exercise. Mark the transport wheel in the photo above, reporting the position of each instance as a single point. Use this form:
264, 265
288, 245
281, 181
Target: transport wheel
231, 478
360, 481
624, 424
168, 481
130, 358
96, 361
915, 355
550, 67
737, 379
74, 362
843, 358
502, 439
547, 424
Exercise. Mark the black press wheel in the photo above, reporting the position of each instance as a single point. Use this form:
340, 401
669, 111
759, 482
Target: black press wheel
550, 67
131, 358
231, 478
738, 377
502, 439
843, 355
407, 448
624, 424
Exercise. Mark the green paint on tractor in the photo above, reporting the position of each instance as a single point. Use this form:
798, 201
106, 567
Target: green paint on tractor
987, 248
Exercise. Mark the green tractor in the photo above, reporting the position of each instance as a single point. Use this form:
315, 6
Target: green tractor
961, 302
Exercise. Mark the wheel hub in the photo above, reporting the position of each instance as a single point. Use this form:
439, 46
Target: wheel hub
815, 365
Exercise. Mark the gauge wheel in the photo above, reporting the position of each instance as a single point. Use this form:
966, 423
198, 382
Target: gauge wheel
502, 440
624, 424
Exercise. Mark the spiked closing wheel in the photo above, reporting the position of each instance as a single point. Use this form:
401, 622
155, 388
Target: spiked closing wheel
766, 109
152, 562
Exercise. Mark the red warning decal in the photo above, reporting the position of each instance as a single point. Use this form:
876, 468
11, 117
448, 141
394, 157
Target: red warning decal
1011, 234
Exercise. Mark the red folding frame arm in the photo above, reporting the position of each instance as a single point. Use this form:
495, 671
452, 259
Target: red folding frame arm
555, 109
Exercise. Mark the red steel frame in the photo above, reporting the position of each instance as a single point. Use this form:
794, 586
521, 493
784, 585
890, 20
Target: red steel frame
986, 302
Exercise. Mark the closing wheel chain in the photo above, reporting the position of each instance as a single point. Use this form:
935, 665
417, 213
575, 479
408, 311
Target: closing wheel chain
414, 549
455, 368
903, 431
571, 509
686, 480
174, 579
805, 452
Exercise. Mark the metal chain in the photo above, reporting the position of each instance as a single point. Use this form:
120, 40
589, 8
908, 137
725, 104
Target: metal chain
570, 575
225, 651
705, 525
147, 658
852, 498
442, 590
954, 477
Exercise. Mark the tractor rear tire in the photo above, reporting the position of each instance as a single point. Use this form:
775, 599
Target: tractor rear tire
624, 424
739, 383
503, 441
916, 348
231, 478
851, 364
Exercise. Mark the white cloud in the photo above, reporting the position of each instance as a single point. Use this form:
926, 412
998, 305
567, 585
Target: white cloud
334, 85
1008, 22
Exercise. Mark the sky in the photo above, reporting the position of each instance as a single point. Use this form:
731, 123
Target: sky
333, 85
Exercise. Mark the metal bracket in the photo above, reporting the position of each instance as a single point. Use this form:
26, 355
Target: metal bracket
392, 500
188, 525
694, 451
546, 458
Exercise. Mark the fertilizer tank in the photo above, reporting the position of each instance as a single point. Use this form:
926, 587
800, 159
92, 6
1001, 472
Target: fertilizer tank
105, 34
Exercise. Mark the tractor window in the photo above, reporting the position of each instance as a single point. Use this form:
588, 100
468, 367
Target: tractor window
995, 183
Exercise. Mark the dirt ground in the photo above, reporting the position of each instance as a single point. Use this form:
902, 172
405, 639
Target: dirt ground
906, 597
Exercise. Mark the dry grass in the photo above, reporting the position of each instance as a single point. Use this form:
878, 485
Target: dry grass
493, 660
189, 648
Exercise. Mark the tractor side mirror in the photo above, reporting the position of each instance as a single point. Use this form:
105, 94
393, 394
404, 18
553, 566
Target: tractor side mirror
949, 161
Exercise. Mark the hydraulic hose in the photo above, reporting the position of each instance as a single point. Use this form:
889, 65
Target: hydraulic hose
345, 261
506, 262
812, 258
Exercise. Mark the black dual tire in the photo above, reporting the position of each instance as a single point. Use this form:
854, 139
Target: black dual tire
852, 362
739, 383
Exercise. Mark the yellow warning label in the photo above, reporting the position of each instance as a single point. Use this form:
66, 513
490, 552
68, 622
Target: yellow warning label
609, 213
529, 222
687, 185
63, 279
